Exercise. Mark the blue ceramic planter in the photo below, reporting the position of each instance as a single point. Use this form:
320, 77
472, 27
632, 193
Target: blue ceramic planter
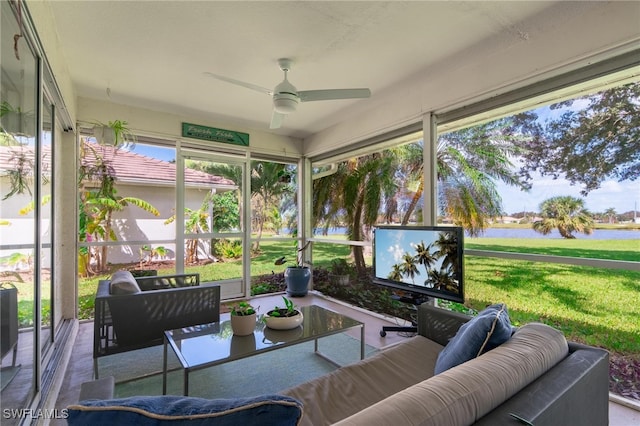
297, 280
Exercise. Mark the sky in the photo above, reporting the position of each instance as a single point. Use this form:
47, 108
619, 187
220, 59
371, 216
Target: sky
620, 196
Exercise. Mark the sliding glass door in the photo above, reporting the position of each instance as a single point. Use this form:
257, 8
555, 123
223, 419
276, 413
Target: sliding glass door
211, 207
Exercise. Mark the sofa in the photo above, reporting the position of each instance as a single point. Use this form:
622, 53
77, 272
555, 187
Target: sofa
534, 377
489, 373
133, 313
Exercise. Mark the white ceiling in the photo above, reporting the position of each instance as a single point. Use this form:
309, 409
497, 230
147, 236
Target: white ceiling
153, 54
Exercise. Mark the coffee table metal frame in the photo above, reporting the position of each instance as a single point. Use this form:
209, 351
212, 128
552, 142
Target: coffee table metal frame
318, 323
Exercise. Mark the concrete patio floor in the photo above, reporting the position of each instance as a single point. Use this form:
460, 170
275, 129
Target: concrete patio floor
622, 412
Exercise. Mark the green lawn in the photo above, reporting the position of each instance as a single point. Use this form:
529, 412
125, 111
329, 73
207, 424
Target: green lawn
599, 307
596, 306
595, 249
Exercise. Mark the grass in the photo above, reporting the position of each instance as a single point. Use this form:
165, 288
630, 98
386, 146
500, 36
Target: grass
628, 250
597, 306
600, 307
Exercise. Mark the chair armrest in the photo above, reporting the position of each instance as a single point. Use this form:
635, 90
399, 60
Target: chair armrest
438, 324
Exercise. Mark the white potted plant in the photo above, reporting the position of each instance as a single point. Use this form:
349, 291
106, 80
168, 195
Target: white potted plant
284, 318
243, 319
340, 271
115, 133
15, 121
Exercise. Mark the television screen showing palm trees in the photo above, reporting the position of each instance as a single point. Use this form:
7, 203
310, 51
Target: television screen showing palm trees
423, 260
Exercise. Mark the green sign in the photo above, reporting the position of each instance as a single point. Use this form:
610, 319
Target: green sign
197, 131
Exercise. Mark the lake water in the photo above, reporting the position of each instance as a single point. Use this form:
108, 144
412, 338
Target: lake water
598, 234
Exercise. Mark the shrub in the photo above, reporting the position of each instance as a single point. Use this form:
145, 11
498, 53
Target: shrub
228, 249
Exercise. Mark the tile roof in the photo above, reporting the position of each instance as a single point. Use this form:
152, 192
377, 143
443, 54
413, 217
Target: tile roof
128, 167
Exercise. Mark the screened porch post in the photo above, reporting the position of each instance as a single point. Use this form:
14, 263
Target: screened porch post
430, 169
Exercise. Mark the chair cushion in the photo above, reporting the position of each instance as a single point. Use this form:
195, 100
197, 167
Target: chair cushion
122, 282
266, 410
489, 329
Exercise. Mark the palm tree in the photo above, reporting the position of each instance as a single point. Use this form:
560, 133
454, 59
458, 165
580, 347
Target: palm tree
611, 214
443, 280
469, 161
447, 244
195, 222
410, 169
99, 204
353, 196
408, 266
396, 273
267, 189
567, 214
99, 210
424, 255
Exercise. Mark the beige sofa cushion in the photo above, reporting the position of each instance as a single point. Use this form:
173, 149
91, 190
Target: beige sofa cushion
464, 394
334, 396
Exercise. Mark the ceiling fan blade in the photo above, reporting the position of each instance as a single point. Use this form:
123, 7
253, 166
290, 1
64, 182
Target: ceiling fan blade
240, 83
276, 119
331, 94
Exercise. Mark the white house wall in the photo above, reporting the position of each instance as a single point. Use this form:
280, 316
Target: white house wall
19, 231
565, 42
135, 224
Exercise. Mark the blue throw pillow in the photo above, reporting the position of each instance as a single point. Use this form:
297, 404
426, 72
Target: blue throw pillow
266, 410
489, 329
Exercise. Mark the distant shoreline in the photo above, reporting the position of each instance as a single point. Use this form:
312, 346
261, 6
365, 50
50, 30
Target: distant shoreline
607, 226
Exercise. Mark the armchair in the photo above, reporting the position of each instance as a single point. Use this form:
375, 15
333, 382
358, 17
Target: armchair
136, 318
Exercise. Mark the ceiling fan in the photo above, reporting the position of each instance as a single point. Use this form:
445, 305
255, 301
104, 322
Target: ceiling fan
286, 97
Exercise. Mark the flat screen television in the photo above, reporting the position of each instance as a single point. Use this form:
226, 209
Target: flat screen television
420, 260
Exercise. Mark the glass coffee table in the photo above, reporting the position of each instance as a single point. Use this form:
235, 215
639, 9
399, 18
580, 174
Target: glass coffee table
212, 344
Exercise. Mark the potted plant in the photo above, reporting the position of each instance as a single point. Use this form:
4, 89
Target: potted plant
115, 133
340, 271
15, 121
243, 319
284, 318
296, 277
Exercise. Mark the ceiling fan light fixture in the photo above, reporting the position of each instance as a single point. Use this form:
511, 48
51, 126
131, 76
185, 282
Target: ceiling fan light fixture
285, 97
285, 103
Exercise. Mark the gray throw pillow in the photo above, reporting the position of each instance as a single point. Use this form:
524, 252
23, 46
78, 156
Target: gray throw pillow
122, 282
488, 330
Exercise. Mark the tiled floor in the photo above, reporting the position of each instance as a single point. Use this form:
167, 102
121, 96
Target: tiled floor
80, 364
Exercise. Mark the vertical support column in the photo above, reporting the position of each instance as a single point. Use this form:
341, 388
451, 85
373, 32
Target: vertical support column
430, 168
179, 222
65, 252
430, 171
246, 224
305, 186
37, 241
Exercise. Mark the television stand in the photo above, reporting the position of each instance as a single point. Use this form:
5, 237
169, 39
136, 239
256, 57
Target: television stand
411, 299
